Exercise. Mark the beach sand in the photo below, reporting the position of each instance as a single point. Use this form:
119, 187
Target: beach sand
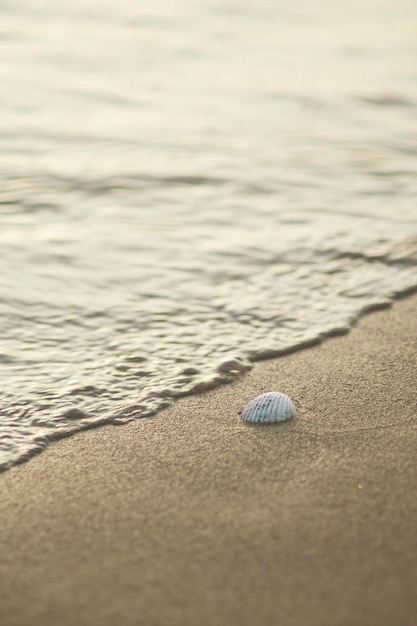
193, 518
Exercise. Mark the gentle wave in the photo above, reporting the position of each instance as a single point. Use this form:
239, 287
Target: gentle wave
188, 190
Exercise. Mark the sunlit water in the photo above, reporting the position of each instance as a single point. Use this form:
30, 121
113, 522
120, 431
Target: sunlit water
189, 186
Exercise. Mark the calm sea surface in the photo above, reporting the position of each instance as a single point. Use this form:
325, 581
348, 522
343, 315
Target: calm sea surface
189, 186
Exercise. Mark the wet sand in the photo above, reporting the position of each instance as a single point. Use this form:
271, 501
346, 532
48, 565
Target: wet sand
194, 518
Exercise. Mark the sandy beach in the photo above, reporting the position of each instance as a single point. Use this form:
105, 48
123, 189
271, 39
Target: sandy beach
194, 518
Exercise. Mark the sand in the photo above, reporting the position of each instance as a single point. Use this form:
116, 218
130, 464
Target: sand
193, 518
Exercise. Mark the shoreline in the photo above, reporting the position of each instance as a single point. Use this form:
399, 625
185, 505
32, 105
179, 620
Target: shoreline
273, 354
194, 517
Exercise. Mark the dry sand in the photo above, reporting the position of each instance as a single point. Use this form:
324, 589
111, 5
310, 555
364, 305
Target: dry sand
196, 519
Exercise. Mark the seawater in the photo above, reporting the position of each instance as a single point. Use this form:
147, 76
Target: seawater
189, 186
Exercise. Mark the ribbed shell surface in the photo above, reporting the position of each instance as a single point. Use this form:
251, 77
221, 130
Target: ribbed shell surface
269, 407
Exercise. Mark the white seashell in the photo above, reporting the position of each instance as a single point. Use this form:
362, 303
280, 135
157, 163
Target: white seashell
273, 406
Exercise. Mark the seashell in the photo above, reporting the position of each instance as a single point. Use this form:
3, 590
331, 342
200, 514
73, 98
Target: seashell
273, 406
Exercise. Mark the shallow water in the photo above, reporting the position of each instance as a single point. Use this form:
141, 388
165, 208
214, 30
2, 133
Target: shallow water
188, 187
